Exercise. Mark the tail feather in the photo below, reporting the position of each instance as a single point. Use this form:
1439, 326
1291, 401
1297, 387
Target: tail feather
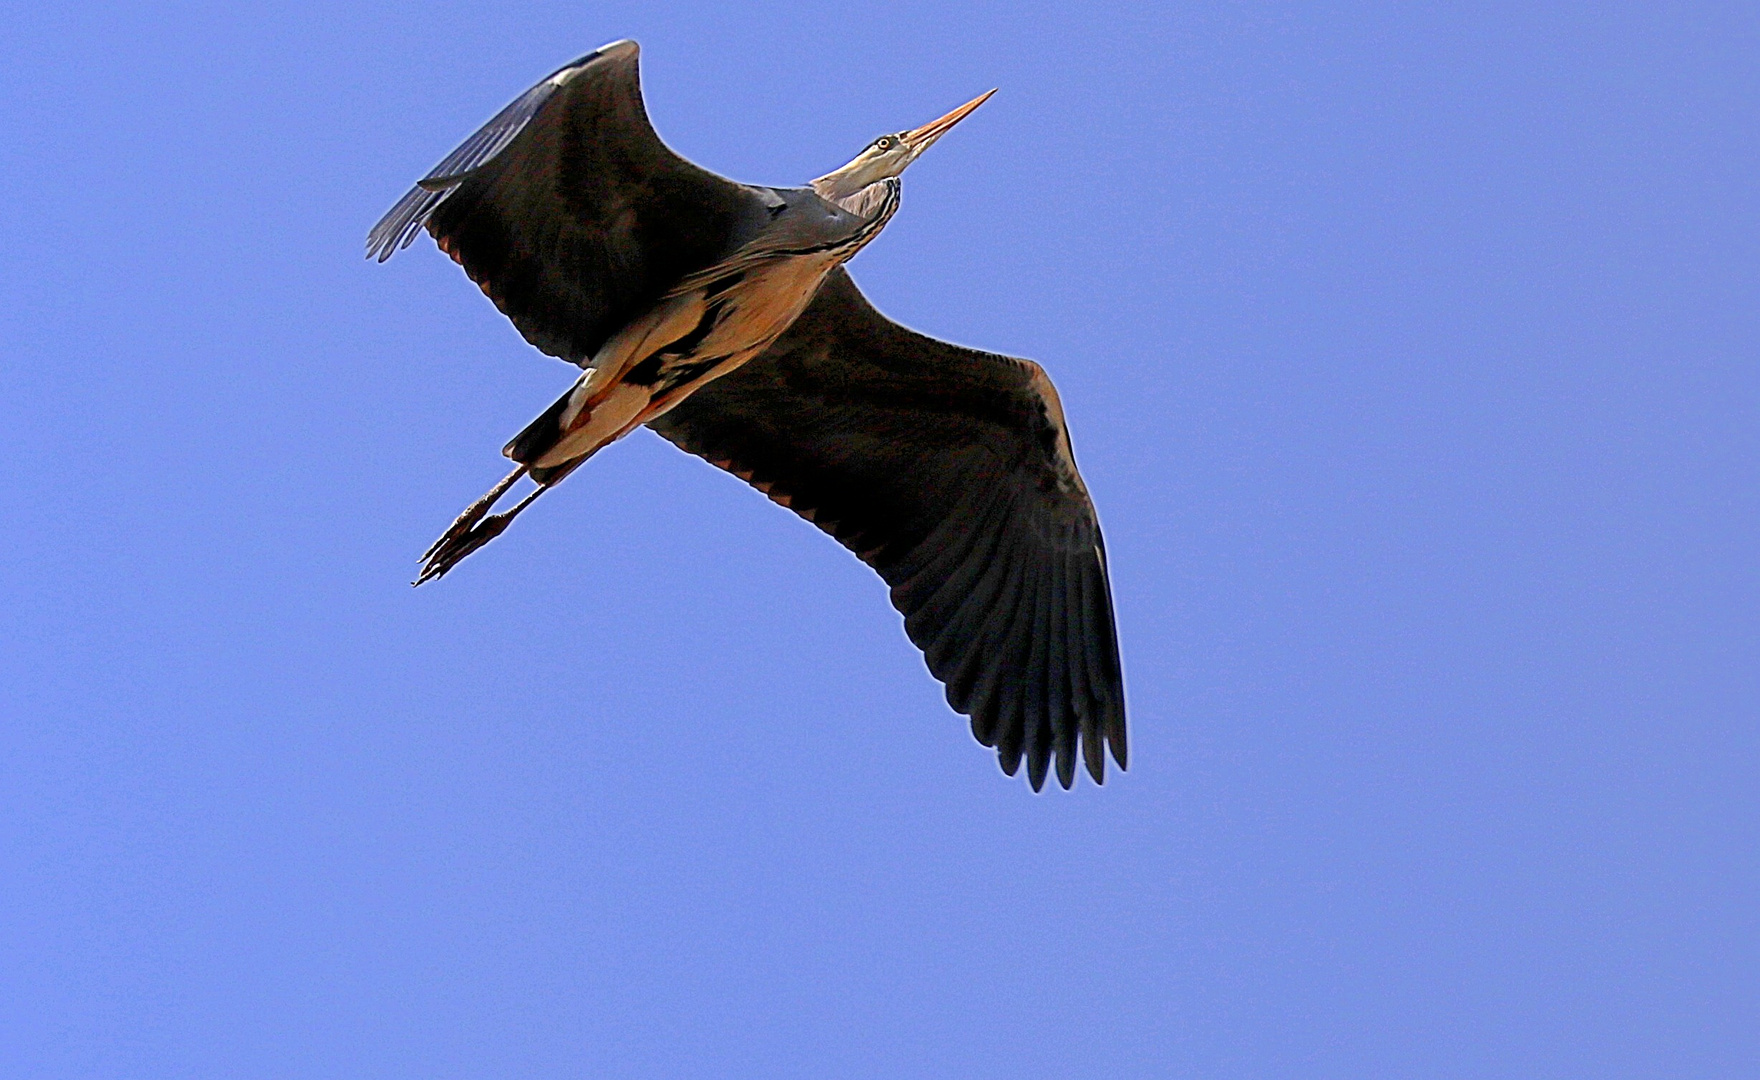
548, 429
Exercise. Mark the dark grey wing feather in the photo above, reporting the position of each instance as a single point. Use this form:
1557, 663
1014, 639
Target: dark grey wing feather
402, 222
948, 470
568, 210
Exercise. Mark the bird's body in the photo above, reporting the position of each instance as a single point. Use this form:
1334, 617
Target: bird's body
706, 326
720, 315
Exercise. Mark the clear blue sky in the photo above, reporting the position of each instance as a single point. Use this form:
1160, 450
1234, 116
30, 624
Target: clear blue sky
1411, 358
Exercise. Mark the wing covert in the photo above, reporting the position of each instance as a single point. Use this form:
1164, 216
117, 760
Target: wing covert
949, 471
569, 211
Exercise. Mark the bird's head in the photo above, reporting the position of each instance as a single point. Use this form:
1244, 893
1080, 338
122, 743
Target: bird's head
890, 155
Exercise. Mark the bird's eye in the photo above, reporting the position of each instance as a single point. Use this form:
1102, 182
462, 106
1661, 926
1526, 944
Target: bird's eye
885, 142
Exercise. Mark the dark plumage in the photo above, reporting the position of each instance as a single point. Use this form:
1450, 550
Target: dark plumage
720, 315
938, 466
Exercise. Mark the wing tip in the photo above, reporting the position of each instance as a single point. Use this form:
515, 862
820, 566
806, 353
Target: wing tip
1014, 747
1115, 739
482, 147
621, 49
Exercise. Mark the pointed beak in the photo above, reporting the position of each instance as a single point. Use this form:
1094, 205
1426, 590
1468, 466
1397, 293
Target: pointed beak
924, 137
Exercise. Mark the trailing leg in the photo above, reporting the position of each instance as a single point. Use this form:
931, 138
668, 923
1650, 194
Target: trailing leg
455, 545
474, 512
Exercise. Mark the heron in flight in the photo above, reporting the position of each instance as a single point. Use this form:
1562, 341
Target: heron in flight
720, 315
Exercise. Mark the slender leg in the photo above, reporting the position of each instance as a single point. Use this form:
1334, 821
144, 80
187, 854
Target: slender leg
474, 513
453, 548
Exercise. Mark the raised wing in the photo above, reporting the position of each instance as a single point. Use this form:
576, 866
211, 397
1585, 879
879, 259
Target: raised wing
569, 211
949, 471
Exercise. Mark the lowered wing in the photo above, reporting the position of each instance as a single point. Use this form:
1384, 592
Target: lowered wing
949, 471
570, 213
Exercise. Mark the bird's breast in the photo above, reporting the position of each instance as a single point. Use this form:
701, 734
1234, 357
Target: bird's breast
739, 316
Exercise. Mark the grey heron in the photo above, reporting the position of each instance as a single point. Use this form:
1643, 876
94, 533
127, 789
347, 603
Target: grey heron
719, 314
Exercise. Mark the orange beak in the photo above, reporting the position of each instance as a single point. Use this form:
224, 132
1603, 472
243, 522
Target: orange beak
922, 138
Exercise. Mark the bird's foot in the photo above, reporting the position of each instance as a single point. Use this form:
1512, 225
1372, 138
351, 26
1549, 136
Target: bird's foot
450, 549
473, 513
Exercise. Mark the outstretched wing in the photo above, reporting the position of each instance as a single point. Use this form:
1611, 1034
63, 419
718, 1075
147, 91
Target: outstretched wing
569, 211
949, 471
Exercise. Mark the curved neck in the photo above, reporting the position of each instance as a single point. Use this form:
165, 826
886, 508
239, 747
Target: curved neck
864, 201
874, 204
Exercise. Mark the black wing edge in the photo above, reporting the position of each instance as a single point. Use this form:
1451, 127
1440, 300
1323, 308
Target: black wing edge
1022, 637
398, 228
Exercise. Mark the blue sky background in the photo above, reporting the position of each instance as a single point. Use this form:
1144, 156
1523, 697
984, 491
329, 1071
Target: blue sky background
1410, 355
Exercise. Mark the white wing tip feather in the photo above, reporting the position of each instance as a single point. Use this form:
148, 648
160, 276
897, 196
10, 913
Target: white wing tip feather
616, 50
